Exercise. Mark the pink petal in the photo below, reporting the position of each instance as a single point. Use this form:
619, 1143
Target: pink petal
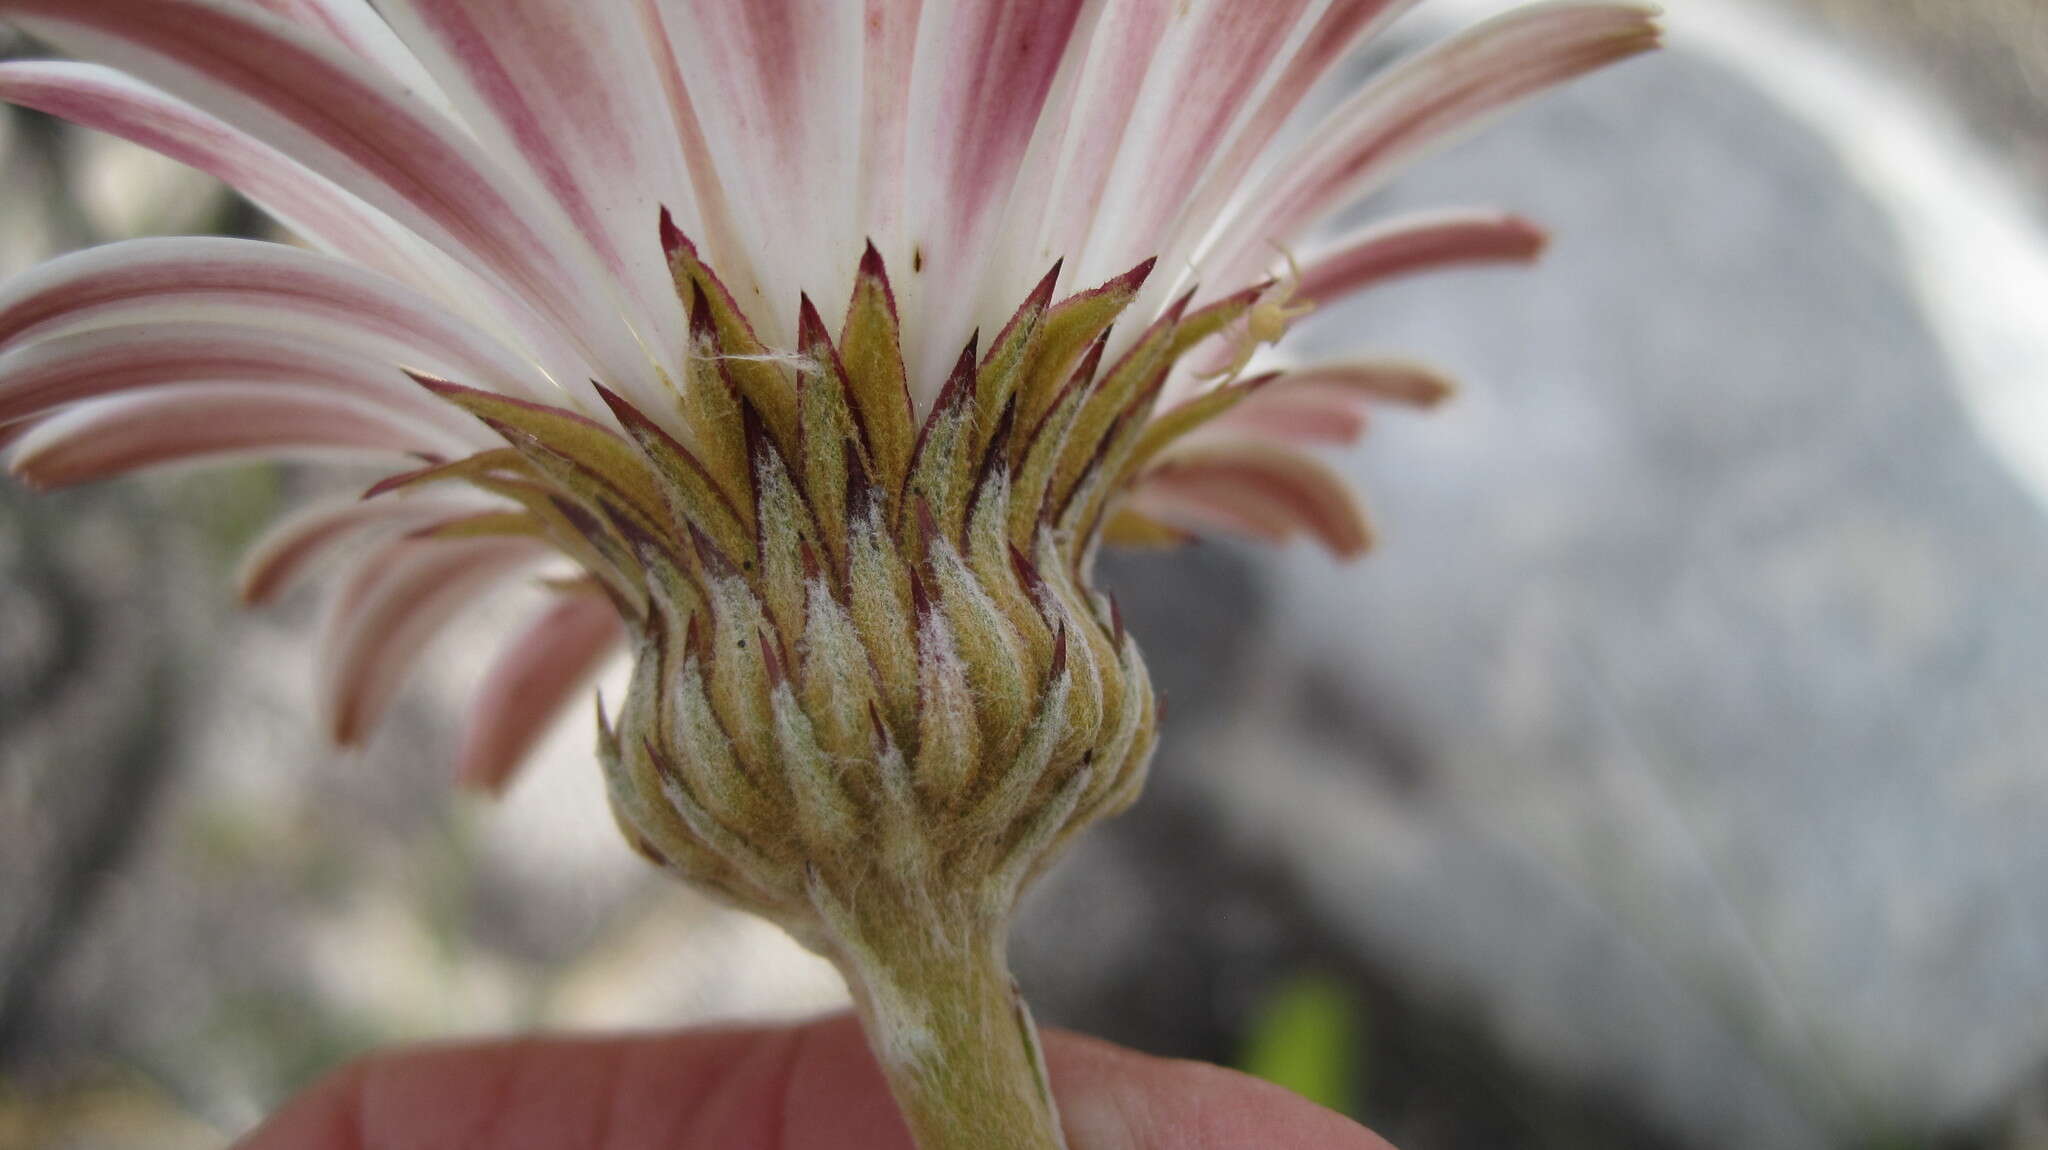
1254, 488
183, 280
1421, 104
360, 128
887, 51
776, 85
1060, 188
1296, 418
354, 25
1215, 57
1417, 244
297, 544
310, 205
1340, 27
107, 101
716, 237
173, 424
398, 599
574, 91
1384, 380
982, 74
532, 681
85, 365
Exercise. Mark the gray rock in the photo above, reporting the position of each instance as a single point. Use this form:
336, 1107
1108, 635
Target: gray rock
1686, 730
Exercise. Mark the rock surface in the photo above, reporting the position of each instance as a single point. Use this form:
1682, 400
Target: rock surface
1686, 729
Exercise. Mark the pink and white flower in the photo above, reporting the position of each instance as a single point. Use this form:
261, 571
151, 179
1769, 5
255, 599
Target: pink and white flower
558, 273
476, 184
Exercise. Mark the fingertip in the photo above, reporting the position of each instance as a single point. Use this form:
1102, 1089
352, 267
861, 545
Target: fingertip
1116, 1099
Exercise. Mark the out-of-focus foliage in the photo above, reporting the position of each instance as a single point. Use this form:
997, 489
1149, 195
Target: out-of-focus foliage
1308, 1038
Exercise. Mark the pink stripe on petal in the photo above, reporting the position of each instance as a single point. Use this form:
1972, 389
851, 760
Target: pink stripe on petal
1119, 56
294, 546
531, 683
359, 128
1264, 489
263, 285
777, 88
573, 90
107, 101
1416, 244
1072, 150
1211, 64
1295, 418
398, 599
354, 25
307, 204
90, 364
175, 424
1424, 103
718, 240
983, 71
1342, 26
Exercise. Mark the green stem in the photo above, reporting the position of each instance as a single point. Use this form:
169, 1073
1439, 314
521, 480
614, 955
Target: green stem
953, 1037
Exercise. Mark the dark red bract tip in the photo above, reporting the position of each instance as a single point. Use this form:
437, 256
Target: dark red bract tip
810, 326
434, 383
1042, 294
871, 265
672, 238
621, 407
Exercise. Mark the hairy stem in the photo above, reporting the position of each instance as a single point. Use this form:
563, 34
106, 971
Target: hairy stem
951, 1032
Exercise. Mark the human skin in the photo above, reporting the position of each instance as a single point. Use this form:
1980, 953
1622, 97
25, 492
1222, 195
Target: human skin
787, 1088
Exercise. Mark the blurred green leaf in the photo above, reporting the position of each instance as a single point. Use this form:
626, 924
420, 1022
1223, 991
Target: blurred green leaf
1309, 1037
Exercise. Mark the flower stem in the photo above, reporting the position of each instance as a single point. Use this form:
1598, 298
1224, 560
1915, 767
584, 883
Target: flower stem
953, 1036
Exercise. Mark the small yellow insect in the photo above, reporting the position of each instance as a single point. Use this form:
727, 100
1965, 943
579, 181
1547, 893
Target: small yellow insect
1267, 320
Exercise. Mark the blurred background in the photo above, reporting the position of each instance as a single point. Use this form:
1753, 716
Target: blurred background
1675, 775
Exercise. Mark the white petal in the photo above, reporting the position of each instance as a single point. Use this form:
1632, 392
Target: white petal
572, 89
308, 204
1338, 29
173, 281
354, 25
111, 437
1216, 56
1061, 187
888, 51
52, 373
1420, 105
983, 71
360, 128
777, 87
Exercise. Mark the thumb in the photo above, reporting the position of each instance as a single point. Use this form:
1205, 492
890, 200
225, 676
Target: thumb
785, 1088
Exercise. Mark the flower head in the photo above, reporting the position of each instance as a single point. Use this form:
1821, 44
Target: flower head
576, 279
